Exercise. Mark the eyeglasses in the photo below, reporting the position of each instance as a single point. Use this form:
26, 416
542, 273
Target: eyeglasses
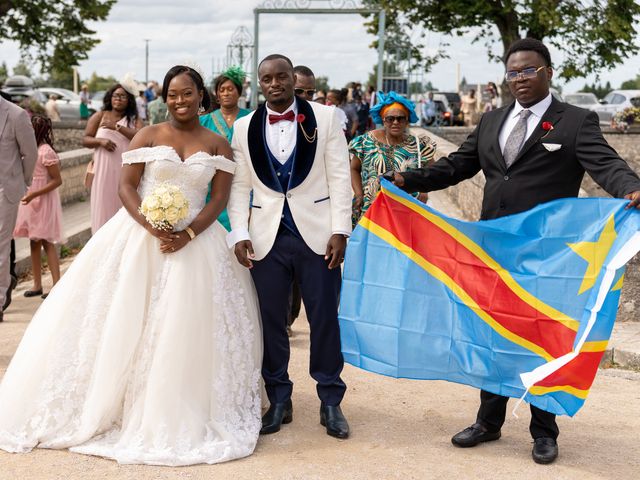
119, 96
391, 119
515, 75
308, 92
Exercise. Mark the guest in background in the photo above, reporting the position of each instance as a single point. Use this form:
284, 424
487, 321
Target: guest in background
429, 111
305, 86
157, 109
109, 132
40, 211
51, 108
392, 147
469, 108
85, 99
141, 105
494, 98
334, 98
228, 88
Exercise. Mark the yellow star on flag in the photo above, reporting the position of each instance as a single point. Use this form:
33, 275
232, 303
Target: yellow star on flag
595, 253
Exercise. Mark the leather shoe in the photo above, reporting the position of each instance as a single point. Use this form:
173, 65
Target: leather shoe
277, 414
1, 315
12, 286
332, 418
473, 435
33, 293
545, 450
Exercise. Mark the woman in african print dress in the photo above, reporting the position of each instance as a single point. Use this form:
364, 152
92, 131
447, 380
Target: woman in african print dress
392, 147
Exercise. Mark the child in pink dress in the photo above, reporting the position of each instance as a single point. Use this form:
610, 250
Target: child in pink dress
40, 211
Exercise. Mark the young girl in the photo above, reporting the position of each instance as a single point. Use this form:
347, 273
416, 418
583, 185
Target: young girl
40, 212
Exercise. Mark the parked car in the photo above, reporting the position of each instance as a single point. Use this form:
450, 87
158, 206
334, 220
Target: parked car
20, 88
445, 111
68, 102
454, 102
614, 102
96, 102
583, 100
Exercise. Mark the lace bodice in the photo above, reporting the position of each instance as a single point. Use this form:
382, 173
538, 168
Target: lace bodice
192, 176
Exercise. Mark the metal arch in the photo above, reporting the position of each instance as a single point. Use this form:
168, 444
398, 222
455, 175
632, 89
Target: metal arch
313, 7
240, 48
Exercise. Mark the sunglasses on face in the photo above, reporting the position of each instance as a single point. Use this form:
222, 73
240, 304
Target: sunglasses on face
526, 73
391, 119
308, 92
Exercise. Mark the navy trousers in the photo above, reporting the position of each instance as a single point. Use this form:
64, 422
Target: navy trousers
291, 258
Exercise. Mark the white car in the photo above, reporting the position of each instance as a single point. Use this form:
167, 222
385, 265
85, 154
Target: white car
583, 100
614, 102
68, 102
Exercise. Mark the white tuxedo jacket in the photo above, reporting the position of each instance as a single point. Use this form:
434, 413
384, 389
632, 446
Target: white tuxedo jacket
319, 193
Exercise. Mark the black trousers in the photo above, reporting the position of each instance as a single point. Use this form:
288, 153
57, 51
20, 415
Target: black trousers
295, 303
493, 409
12, 259
290, 258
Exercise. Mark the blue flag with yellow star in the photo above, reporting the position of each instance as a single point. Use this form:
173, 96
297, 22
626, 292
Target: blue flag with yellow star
521, 306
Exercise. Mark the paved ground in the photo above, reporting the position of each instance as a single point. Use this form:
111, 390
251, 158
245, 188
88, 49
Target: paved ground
401, 429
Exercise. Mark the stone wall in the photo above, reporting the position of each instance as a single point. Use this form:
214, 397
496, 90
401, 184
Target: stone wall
468, 197
73, 167
68, 135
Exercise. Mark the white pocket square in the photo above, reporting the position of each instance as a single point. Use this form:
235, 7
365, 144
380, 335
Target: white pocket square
552, 147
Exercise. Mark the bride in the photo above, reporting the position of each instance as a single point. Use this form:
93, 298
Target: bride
149, 348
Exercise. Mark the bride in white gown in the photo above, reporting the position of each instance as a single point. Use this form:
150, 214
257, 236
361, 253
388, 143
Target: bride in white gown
149, 348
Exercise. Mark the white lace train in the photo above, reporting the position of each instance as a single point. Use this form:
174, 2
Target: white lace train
140, 356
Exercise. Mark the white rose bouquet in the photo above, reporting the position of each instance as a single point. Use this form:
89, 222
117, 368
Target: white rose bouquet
165, 206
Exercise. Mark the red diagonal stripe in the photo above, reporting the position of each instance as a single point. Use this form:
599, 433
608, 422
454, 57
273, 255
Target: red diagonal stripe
579, 372
479, 280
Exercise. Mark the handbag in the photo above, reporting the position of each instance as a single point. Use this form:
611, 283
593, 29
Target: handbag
88, 175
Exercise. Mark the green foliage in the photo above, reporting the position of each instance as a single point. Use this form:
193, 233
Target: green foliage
97, 82
322, 83
22, 68
594, 36
598, 90
4, 72
56, 30
631, 84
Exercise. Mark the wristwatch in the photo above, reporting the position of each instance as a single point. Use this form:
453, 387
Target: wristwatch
118, 127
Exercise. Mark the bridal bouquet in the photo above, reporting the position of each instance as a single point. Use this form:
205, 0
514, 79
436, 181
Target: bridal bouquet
165, 206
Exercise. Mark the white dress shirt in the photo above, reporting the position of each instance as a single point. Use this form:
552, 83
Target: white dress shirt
537, 111
281, 136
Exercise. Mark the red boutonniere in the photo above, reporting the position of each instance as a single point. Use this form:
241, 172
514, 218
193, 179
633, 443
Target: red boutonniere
547, 127
300, 118
309, 138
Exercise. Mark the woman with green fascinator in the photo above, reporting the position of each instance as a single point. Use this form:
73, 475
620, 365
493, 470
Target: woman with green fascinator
228, 89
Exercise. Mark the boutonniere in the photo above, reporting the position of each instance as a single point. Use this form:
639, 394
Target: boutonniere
547, 127
309, 138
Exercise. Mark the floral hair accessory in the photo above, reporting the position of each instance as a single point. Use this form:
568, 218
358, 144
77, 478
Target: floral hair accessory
547, 127
300, 118
236, 74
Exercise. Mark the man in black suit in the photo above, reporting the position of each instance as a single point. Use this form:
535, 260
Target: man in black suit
535, 150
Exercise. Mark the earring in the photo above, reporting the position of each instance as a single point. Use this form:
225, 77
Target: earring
200, 109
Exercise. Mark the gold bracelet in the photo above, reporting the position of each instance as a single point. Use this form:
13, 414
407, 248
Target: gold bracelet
190, 232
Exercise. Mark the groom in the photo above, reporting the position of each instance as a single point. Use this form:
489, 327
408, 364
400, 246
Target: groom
294, 157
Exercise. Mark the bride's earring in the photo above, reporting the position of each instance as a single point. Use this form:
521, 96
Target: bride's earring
200, 109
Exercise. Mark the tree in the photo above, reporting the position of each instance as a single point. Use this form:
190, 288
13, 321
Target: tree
4, 72
631, 84
97, 82
322, 83
22, 68
56, 30
594, 36
598, 90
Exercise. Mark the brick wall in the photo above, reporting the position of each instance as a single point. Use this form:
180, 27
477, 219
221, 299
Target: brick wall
467, 196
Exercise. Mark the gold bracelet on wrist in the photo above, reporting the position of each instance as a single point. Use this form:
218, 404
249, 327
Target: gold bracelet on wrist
190, 232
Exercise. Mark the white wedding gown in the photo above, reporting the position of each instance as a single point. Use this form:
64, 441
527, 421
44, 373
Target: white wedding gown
140, 356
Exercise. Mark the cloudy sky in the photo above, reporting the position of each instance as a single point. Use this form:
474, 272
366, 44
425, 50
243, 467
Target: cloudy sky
333, 45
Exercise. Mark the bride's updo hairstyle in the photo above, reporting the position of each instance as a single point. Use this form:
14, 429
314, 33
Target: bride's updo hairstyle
195, 76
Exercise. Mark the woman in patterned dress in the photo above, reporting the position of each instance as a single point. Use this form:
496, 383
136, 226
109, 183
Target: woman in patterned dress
392, 147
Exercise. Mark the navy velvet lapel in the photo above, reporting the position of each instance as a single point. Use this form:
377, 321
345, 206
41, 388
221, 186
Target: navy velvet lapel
257, 150
305, 151
553, 116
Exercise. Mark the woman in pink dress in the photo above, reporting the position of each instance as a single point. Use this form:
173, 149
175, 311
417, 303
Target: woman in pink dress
40, 212
109, 132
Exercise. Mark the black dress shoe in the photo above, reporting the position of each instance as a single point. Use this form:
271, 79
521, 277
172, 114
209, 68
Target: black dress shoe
33, 293
473, 435
277, 414
12, 286
1, 315
545, 450
332, 418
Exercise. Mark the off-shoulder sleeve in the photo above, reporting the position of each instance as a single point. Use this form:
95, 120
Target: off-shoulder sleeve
139, 155
48, 156
224, 164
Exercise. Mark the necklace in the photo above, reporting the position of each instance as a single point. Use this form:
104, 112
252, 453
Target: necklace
230, 117
392, 145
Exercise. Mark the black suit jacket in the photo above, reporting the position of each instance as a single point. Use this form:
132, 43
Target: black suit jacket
537, 175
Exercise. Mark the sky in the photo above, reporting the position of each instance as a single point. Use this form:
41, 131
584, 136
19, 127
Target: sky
336, 46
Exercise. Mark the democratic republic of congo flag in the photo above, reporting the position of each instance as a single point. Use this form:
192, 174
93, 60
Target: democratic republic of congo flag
519, 306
